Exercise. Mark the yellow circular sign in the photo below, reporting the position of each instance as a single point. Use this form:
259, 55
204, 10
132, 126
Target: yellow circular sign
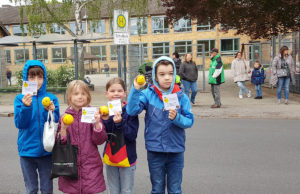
111, 106
166, 100
121, 21
84, 112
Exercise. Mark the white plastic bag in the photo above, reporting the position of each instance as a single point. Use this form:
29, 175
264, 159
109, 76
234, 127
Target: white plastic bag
50, 128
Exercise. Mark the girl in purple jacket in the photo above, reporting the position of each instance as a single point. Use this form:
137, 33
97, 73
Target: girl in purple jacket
86, 136
120, 149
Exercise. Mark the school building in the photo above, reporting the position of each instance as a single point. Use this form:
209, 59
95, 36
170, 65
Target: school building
153, 31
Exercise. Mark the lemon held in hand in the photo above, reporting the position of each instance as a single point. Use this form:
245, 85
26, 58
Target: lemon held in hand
46, 101
68, 119
104, 110
140, 80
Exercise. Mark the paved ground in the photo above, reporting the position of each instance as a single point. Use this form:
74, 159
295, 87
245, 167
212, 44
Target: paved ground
233, 107
223, 156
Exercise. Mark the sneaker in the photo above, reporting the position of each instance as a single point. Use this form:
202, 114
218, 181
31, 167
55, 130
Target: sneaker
278, 101
215, 106
257, 97
286, 101
249, 94
240, 96
260, 97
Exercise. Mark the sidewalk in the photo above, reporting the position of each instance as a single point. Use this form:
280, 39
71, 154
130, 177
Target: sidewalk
232, 106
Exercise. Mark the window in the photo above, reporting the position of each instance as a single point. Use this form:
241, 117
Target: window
7, 56
159, 24
17, 31
208, 45
113, 52
42, 55
160, 49
72, 50
59, 55
138, 26
183, 25
21, 56
230, 46
7, 27
204, 26
100, 51
72, 27
97, 26
145, 48
183, 47
57, 29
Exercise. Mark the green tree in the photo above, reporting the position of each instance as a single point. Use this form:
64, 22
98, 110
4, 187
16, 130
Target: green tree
59, 12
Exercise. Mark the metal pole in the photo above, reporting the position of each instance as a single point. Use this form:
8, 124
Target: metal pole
119, 61
124, 58
273, 47
203, 72
34, 50
76, 59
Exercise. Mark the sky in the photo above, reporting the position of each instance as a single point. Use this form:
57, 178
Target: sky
4, 2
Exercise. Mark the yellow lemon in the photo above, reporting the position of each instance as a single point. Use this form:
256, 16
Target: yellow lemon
140, 79
46, 101
104, 110
68, 119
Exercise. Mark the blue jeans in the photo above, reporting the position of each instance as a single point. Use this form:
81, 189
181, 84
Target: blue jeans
120, 180
283, 82
242, 88
258, 90
34, 168
165, 167
190, 85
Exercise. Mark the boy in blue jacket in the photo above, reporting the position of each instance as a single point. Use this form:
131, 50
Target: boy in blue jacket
30, 116
258, 78
165, 129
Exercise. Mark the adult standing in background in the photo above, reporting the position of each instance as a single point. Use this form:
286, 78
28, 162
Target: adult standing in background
283, 67
8, 76
216, 77
177, 62
189, 75
239, 71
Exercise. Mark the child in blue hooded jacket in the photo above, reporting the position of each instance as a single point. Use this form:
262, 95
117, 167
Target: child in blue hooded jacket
257, 78
30, 116
164, 129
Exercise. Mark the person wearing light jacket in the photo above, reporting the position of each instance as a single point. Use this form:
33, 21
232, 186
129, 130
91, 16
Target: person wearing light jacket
239, 71
216, 77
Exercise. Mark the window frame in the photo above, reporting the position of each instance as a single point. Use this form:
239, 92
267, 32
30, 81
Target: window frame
63, 60
6, 58
144, 29
25, 51
102, 57
185, 45
165, 30
231, 52
20, 33
113, 57
99, 24
55, 28
203, 26
44, 60
210, 47
164, 48
83, 27
187, 29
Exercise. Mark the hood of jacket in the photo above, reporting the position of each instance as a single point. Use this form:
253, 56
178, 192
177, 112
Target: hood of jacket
32, 63
154, 73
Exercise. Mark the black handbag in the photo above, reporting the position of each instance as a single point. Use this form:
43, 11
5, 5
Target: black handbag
64, 159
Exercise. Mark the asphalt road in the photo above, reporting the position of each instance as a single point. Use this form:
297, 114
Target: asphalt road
222, 156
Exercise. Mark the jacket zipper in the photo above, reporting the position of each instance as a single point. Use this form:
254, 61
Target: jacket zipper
40, 131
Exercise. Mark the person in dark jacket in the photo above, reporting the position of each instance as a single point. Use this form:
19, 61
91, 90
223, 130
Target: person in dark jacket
177, 62
8, 76
189, 75
120, 149
30, 116
258, 78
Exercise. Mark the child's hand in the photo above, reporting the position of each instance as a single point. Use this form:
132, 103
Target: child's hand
97, 117
117, 118
27, 100
63, 127
50, 107
136, 85
172, 114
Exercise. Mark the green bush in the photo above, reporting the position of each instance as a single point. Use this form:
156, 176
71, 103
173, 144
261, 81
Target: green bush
55, 78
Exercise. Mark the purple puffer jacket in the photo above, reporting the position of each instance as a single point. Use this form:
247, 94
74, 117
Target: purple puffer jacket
90, 167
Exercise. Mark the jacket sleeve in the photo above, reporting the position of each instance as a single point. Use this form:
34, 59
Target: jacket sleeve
218, 69
56, 111
99, 137
131, 126
233, 68
137, 102
22, 113
181, 71
274, 65
185, 119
